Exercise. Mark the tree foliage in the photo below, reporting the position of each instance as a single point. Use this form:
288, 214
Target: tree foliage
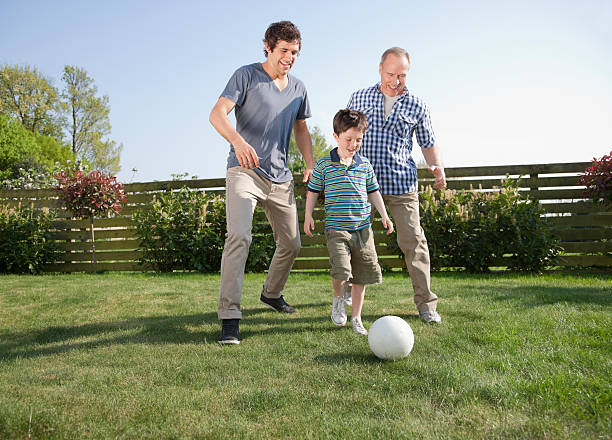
28, 96
86, 120
22, 150
319, 147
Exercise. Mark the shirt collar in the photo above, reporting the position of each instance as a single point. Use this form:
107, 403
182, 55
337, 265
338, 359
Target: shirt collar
335, 157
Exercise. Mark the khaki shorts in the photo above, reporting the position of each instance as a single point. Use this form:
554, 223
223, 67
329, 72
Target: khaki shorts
352, 255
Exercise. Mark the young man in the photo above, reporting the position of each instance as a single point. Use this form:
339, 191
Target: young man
349, 184
268, 103
394, 116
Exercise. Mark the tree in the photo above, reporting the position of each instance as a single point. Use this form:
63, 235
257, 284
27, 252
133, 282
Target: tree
319, 147
21, 149
29, 97
86, 119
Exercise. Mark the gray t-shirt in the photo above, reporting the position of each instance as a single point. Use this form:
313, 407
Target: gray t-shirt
265, 116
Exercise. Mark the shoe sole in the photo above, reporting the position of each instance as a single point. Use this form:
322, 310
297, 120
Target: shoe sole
338, 325
229, 342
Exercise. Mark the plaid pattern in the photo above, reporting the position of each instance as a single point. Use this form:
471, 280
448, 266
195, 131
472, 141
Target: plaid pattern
387, 143
346, 191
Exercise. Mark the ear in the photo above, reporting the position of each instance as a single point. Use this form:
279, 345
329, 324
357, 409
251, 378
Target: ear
380, 69
267, 47
336, 137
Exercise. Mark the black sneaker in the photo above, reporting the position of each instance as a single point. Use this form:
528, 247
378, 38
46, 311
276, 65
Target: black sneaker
277, 304
229, 332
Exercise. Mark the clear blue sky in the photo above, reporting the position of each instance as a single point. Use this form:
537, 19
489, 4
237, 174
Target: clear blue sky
508, 82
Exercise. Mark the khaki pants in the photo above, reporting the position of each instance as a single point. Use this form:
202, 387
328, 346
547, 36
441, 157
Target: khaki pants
411, 240
244, 189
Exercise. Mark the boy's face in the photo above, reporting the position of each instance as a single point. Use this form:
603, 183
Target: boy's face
349, 142
283, 56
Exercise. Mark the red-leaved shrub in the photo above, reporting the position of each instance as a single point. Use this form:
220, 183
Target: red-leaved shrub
598, 180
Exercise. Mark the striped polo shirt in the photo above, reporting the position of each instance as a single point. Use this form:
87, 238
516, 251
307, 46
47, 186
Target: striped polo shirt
346, 191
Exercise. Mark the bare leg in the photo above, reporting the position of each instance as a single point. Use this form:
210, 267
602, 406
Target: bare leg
357, 294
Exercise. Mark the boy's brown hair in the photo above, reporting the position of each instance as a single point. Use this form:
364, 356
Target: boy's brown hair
346, 119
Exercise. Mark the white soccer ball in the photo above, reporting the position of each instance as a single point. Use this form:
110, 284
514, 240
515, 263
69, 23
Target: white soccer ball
390, 338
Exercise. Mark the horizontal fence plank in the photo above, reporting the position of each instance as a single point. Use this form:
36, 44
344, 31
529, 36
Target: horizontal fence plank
88, 267
584, 234
113, 222
173, 185
585, 260
582, 220
86, 235
100, 245
573, 207
102, 256
587, 247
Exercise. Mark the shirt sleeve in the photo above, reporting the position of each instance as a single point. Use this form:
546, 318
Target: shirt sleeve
304, 110
317, 179
237, 86
424, 131
371, 182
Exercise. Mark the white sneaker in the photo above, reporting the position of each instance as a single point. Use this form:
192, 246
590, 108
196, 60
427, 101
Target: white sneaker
358, 326
430, 317
348, 298
338, 314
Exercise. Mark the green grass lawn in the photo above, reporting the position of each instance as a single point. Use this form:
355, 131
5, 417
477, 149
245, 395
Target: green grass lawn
135, 356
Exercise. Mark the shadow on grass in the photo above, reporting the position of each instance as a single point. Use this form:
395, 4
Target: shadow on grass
535, 296
183, 329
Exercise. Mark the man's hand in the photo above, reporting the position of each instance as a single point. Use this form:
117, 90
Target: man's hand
246, 155
439, 176
387, 225
308, 225
307, 175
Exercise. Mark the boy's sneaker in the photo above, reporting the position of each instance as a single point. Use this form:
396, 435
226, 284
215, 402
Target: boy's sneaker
430, 317
338, 314
229, 332
277, 304
358, 326
348, 299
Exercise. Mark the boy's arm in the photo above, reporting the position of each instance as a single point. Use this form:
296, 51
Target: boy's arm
376, 199
311, 201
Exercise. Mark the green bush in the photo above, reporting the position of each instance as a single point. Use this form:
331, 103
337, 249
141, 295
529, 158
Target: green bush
25, 246
473, 230
185, 230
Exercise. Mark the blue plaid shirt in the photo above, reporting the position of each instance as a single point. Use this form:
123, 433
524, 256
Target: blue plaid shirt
387, 143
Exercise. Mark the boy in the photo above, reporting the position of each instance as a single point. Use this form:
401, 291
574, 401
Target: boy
348, 183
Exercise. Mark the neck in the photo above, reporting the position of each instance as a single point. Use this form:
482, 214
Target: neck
272, 72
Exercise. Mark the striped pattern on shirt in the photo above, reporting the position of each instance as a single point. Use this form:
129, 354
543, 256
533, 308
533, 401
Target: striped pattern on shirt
346, 191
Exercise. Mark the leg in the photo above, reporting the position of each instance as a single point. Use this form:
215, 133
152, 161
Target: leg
340, 260
241, 198
411, 240
357, 294
281, 211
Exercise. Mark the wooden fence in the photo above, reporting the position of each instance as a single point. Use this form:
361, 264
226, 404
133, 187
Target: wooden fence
585, 229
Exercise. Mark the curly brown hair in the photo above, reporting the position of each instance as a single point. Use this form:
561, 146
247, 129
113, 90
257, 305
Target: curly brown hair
281, 30
346, 119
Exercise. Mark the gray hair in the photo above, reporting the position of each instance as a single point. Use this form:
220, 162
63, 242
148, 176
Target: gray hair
398, 51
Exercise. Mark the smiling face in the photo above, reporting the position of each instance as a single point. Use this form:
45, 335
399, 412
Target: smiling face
393, 71
281, 59
349, 142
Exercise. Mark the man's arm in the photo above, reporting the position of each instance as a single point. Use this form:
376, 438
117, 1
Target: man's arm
311, 201
434, 161
304, 144
246, 155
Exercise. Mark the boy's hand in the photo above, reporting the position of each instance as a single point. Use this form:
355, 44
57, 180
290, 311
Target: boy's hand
387, 225
308, 225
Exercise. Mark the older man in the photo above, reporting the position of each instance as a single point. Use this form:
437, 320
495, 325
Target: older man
269, 103
394, 116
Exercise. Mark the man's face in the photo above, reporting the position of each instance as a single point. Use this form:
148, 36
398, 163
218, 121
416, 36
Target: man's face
283, 56
349, 142
393, 73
